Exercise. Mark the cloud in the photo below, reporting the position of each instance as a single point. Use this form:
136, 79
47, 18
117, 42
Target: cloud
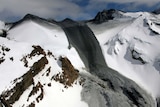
60, 9
44, 8
126, 1
125, 5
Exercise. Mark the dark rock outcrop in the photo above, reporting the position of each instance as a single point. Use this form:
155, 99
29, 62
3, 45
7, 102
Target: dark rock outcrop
9, 97
106, 15
137, 56
158, 102
3, 33
157, 11
69, 74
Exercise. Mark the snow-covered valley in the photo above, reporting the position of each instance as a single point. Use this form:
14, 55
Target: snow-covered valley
114, 63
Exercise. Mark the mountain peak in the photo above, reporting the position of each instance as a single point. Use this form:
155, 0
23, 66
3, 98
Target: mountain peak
67, 20
157, 11
106, 15
30, 16
81, 64
33, 18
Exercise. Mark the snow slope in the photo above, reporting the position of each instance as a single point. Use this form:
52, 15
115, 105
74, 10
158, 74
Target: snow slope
132, 48
20, 42
41, 67
50, 37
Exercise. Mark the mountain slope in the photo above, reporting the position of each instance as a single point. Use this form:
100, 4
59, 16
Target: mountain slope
27, 55
91, 55
131, 46
72, 63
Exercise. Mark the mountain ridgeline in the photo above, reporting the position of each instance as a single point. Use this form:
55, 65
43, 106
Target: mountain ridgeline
103, 86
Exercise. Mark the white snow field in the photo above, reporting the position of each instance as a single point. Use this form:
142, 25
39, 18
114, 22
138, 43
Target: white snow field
130, 45
124, 38
19, 42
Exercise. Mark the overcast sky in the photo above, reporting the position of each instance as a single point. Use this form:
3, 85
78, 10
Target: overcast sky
11, 10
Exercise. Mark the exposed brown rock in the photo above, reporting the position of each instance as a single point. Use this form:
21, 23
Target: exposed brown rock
40, 97
69, 74
4, 48
3, 101
48, 71
32, 105
2, 60
39, 65
34, 91
11, 58
24, 59
49, 53
49, 84
37, 51
15, 93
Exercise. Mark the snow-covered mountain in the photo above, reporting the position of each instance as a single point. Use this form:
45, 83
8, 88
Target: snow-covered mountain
112, 60
157, 11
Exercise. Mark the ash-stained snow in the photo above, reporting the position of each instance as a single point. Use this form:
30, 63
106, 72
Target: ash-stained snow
2, 25
130, 45
131, 48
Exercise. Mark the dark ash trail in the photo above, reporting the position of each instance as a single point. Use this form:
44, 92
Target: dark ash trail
121, 89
